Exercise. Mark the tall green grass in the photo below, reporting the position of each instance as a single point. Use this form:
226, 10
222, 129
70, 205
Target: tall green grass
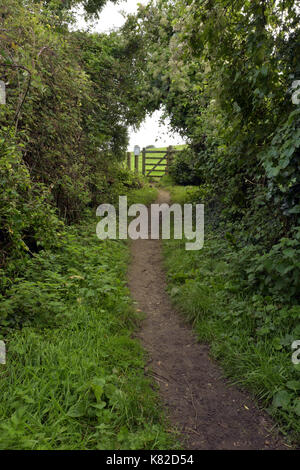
78, 382
179, 194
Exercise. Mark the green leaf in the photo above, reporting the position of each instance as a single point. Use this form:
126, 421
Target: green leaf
282, 399
100, 405
297, 407
293, 385
76, 411
97, 386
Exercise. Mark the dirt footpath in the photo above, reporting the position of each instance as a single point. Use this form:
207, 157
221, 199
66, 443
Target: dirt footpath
208, 413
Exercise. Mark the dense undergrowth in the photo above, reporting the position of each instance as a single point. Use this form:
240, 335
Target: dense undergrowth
250, 333
74, 377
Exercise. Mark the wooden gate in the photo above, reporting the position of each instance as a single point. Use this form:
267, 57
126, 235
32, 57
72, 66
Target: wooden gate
154, 163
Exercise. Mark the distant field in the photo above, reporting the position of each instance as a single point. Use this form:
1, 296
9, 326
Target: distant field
151, 162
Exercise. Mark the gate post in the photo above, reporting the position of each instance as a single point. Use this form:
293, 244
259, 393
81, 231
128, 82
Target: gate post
169, 156
144, 161
136, 163
129, 160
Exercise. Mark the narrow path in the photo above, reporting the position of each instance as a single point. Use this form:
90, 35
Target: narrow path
207, 412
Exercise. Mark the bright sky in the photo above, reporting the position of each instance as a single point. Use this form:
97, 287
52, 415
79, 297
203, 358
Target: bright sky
150, 132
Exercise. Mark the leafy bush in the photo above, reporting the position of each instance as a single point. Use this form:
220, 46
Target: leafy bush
281, 161
276, 272
185, 168
78, 96
28, 222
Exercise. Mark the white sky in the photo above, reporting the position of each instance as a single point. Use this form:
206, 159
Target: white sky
150, 132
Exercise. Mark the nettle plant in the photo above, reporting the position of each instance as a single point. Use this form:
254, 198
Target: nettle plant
281, 161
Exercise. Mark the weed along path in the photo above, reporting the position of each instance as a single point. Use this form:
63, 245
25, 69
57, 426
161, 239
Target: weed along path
208, 413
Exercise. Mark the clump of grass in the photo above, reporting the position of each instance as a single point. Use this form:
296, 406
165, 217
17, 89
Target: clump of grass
145, 195
179, 194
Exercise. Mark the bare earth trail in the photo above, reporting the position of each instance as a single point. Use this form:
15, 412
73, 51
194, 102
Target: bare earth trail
208, 413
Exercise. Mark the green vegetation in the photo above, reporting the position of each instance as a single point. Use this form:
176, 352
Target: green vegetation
74, 378
146, 196
63, 131
179, 194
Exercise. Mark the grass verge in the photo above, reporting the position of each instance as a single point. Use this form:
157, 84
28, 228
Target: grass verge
74, 377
